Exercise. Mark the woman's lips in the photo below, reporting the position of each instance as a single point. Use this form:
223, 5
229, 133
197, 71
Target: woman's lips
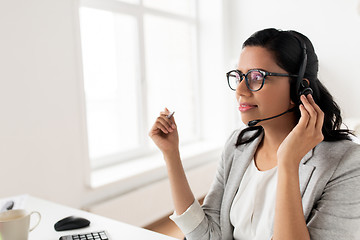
243, 107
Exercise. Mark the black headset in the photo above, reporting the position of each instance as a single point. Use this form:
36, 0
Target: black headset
302, 86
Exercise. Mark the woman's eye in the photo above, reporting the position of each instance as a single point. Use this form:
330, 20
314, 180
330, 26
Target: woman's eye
256, 77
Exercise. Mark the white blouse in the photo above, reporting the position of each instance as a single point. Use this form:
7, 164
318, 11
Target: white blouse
253, 209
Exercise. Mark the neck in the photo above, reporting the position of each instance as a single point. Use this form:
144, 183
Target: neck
276, 131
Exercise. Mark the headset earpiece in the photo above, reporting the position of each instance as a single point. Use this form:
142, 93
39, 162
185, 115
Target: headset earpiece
305, 88
302, 85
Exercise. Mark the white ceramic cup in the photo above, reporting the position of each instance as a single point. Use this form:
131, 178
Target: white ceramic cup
15, 224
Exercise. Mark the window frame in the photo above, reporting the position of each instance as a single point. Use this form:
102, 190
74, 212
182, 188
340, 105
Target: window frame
139, 11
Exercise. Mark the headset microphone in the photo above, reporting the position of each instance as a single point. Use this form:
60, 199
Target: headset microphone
254, 122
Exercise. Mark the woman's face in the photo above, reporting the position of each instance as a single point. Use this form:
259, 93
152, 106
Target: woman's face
273, 98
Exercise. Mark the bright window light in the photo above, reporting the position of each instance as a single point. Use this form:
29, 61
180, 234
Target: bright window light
110, 63
136, 61
129, 1
170, 51
183, 7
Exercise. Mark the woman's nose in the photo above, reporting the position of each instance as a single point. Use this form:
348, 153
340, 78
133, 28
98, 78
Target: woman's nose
242, 89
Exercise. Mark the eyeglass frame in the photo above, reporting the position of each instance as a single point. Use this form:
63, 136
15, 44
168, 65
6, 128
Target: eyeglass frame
264, 73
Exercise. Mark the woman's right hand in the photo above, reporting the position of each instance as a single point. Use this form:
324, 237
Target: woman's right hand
164, 134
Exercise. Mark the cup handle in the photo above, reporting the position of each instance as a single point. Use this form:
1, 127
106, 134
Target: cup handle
39, 215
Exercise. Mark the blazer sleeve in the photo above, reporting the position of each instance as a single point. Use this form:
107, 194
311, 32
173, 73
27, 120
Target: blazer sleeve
336, 215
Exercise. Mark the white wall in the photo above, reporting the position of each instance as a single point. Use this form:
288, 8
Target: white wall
333, 27
41, 149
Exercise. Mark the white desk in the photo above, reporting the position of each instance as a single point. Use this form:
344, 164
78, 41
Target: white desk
52, 212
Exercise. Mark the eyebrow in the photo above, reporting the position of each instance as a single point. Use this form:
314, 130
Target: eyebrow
253, 69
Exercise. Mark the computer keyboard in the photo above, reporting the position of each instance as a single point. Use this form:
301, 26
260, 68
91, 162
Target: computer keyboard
101, 235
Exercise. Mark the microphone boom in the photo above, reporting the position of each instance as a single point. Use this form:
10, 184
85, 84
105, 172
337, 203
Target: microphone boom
254, 122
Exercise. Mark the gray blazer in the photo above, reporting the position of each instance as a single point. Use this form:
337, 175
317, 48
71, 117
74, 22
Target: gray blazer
329, 178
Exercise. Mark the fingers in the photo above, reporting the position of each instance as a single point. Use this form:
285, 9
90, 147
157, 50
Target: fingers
166, 125
170, 120
311, 114
304, 119
320, 114
310, 110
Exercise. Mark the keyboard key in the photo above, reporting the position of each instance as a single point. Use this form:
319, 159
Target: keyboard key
87, 236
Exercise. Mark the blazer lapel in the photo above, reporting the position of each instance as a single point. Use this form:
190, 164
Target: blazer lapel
242, 157
305, 172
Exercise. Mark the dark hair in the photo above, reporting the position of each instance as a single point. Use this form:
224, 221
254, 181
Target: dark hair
288, 53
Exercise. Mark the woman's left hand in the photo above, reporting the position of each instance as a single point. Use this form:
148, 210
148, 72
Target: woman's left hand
305, 135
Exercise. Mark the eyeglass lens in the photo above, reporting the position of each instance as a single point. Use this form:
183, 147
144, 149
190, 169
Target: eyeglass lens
254, 80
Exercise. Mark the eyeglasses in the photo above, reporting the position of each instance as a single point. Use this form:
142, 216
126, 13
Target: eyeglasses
254, 78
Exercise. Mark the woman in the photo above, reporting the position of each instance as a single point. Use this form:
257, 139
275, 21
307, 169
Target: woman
293, 173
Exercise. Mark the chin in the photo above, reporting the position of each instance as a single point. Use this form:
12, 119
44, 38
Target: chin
245, 121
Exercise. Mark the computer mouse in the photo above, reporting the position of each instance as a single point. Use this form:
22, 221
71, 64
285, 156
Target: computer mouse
70, 223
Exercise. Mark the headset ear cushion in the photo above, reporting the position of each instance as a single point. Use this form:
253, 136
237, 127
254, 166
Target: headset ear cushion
306, 91
305, 88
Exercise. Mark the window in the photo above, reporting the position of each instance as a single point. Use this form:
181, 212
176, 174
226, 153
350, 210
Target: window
138, 57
